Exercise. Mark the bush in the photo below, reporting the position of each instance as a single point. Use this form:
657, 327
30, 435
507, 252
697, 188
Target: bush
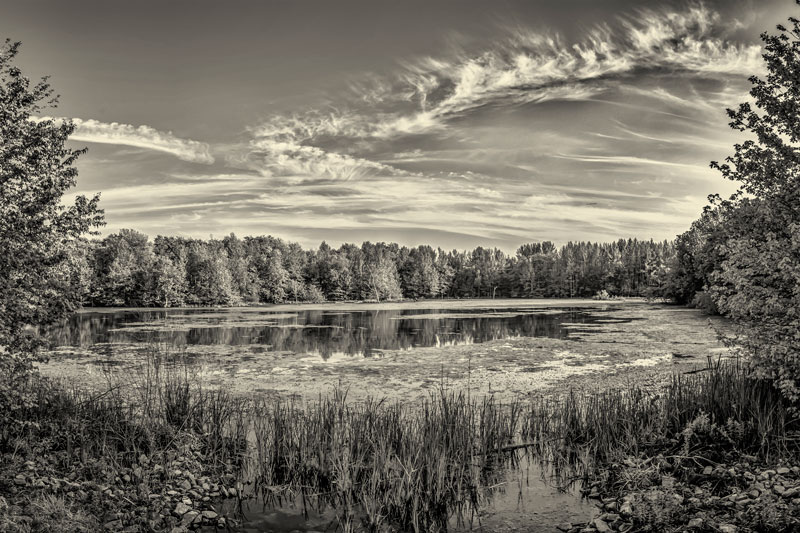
313, 294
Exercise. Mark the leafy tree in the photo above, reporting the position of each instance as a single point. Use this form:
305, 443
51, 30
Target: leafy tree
36, 228
757, 281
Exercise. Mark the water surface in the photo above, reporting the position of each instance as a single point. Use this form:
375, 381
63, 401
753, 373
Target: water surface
324, 333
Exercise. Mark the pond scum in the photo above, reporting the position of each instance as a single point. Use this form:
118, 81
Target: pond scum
377, 465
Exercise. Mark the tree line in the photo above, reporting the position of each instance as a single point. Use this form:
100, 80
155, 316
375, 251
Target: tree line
128, 269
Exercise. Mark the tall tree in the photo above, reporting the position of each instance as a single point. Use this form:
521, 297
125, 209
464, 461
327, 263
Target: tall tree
758, 280
36, 228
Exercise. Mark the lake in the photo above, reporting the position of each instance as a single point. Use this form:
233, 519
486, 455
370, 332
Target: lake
398, 350
401, 352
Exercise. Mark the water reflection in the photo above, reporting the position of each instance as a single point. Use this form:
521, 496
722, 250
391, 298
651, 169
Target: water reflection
325, 333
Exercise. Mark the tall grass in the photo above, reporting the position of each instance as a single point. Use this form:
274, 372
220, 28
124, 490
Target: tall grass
387, 462
410, 466
748, 415
148, 413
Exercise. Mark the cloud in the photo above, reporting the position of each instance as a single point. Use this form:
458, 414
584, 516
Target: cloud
140, 137
272, 157
531, 67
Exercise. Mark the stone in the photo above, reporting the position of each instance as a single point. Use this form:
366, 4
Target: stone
695, 523
209, 515
791, 493
754, 494
667, 482
566, 526
626, 508
189, 517
601, 526
783, 470
612, 506
727, 528
181, 509
707, 471
185, 485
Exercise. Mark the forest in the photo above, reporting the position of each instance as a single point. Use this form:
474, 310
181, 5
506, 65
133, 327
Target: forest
129, 269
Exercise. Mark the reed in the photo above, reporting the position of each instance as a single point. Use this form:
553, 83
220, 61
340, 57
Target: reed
412, 466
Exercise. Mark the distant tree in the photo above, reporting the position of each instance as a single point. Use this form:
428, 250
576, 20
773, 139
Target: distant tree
36, 227
209, 279
167, 286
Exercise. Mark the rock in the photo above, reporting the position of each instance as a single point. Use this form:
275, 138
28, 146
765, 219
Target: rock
126, 478
179, 529
187, 501
181, 509
695, 523
143, 459
707, 471
185, 485
626, 508
564, 527
209, 515
754, 494
727, 528
783, 471
601, 526
612, 506
791, 493
779, 489
667, 482
113, 525
610, 517
189, 517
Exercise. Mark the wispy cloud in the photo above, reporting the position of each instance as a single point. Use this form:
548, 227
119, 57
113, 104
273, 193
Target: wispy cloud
143, 136
285, 156
530, 67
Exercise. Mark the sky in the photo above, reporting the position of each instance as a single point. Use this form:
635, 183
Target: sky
449, 123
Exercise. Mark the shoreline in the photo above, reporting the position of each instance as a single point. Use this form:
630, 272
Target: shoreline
465, 303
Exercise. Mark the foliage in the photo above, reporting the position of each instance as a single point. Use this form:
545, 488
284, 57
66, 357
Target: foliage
37, 231
125, 268
742, 257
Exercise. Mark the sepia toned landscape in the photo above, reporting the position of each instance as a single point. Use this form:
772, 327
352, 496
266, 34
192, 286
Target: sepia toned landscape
305, 267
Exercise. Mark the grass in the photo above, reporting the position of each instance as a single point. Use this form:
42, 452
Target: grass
607, 426
413, 466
